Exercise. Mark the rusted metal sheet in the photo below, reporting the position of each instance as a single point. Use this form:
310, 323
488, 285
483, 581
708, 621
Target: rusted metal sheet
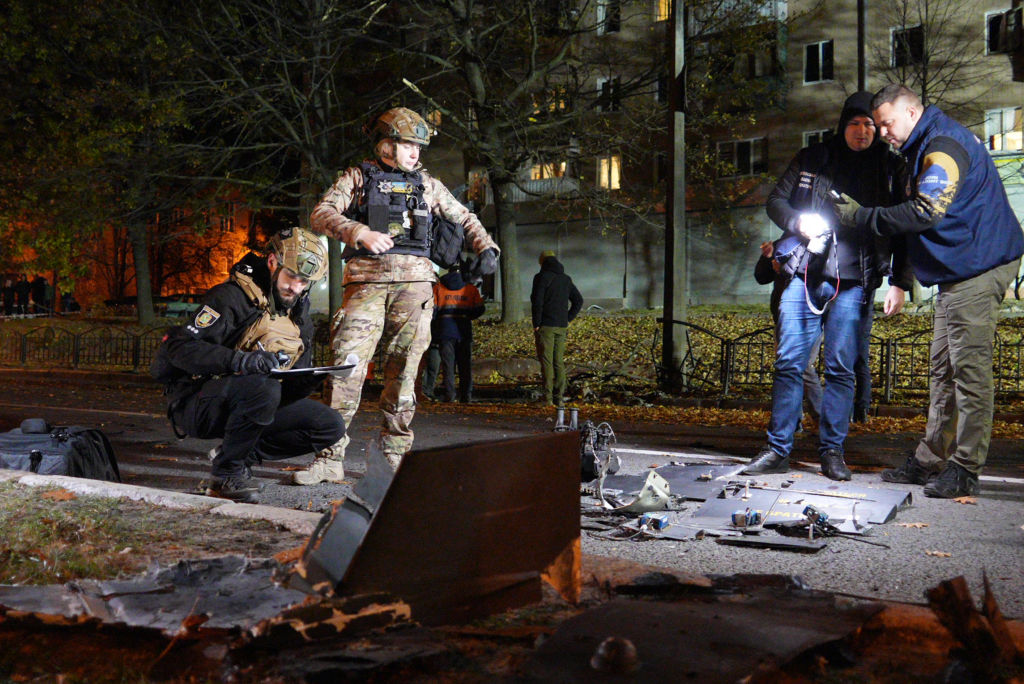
699, 641
460, 532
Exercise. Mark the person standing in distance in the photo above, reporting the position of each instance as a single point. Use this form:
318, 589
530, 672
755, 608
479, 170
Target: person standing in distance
554, 303
382, 210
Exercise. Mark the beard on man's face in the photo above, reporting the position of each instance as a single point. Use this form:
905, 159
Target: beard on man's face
284, 298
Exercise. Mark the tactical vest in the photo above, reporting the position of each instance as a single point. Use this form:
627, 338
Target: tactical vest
389, 199
271, 331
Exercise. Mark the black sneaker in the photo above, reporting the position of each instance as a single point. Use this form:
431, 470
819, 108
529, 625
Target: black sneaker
860, 414
954, 481
234, 487
767, 461
910, 472
833, 466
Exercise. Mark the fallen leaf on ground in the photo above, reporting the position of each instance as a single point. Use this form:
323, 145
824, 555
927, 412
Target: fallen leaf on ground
909, 524
289, 555
967, 500
58, 495
939, 554
153, 459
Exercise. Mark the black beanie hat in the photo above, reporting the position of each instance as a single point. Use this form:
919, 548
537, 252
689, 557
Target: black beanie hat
858, 103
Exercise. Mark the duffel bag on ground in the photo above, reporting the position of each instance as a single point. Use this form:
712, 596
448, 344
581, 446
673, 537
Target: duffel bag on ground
73, 450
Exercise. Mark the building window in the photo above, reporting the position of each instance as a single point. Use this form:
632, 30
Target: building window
1003, 31
662, 10
907, 46
811, 137
608, 94
609, 170
661, 89
662, 169
742, 157
752, 65
547, 170
818, 62
1004, 130
609, 16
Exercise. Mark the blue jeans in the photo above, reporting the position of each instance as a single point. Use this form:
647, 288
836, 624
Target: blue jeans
799, 328
862, 370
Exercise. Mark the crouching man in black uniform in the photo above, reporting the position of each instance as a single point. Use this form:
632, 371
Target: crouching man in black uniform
218, 367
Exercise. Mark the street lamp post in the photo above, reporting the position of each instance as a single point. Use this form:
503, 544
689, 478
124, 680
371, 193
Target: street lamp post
676, 261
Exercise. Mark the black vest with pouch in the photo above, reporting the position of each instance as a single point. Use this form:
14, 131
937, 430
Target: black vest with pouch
392, 203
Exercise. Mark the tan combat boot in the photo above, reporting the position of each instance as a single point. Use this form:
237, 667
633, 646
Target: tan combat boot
327, 466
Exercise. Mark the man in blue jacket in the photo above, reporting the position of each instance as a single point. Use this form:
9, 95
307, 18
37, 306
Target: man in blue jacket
962, 236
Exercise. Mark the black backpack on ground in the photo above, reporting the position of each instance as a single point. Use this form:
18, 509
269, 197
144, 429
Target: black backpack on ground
73, 450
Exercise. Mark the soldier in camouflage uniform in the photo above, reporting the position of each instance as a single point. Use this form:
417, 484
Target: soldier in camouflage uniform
382, 210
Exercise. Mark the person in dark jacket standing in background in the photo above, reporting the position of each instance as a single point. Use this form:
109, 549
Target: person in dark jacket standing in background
8, 297
962, 235
21, 292
555, 302
456, 305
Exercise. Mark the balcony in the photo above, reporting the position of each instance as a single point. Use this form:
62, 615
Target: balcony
538, 190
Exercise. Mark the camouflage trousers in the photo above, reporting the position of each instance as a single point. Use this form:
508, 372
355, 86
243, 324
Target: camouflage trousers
396, 315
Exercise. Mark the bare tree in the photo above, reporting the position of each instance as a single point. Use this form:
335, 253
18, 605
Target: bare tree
282, 86
935, 48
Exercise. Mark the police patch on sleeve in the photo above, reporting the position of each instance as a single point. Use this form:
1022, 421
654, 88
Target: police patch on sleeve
206, 317
939, 177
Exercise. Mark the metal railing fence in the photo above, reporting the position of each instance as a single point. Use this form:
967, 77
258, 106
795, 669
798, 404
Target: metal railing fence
725, 367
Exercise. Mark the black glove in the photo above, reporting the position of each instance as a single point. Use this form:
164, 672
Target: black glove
486, 262
254, 363
847, 209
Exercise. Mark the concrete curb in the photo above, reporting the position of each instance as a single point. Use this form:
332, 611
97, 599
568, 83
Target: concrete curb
300, 522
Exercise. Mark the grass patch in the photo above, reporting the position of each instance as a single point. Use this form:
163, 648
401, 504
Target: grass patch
55, 536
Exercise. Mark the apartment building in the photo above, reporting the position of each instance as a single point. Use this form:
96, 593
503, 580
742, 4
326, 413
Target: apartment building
815, 53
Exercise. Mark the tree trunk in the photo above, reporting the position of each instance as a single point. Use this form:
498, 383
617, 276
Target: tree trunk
504, 214
139, 235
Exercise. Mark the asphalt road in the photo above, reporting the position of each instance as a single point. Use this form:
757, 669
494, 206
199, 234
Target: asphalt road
928, 542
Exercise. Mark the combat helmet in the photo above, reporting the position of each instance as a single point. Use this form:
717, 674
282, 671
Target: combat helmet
300, 251
402, 124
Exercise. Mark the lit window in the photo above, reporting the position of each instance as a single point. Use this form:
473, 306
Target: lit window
662, 10
551, 170
608, 172
557, 101
609, 16
1004, 130
818, 62
811, 137
907, 46
742, 157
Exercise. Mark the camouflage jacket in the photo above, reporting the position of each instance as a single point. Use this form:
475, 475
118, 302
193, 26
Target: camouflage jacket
329, 218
